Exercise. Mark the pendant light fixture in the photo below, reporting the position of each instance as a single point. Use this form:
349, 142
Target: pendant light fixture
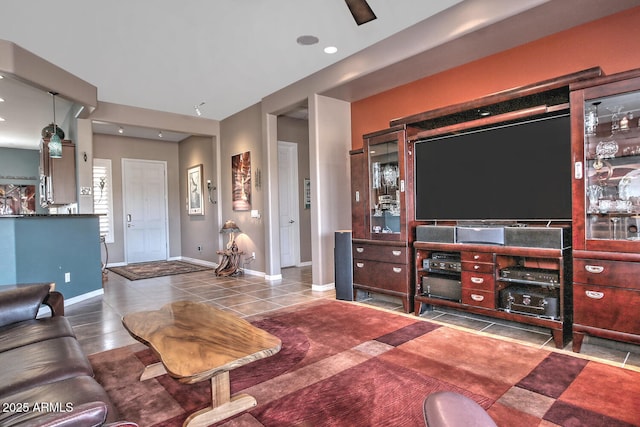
55, 143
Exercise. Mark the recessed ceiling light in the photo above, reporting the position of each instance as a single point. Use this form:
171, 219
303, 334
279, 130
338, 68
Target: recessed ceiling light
1, 119
120, 130
307, 40
1, 99
160, 134
330, 50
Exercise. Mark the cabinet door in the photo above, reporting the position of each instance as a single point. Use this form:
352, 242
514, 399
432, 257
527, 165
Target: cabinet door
606, 132
386, 193
359, 206
60, 186
63, 175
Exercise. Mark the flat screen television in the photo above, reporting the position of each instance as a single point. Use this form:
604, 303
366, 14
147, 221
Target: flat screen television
509, 172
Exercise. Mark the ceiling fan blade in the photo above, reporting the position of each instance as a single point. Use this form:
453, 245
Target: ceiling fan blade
361, 11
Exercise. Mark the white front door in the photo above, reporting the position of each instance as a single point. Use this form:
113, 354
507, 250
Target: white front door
288, 195
145, 210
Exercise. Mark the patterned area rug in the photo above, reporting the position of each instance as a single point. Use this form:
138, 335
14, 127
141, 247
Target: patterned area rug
343, 364
147, 270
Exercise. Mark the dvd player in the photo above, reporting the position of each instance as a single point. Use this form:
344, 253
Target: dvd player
530, 275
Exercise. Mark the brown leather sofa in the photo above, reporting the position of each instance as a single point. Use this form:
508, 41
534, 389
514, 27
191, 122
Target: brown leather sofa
45, 377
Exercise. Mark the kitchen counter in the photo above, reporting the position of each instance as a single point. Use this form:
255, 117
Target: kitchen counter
63, 249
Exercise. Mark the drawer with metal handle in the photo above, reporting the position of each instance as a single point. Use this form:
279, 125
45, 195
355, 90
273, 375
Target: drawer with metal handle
384, 253
382, 275
607, 308
621, 274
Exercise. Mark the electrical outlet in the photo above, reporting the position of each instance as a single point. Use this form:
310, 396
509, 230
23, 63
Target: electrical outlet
253, 255
199, 248
67, 277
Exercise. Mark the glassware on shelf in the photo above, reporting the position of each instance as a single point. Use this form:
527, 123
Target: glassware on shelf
390, 176
594, 192
591, 119
615, 220
615, 117
607, 149
376, 175
624, 122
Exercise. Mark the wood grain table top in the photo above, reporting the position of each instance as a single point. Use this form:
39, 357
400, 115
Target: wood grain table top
196, 341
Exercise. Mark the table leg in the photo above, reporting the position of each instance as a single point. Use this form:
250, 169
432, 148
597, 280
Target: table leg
152, 371
223, 405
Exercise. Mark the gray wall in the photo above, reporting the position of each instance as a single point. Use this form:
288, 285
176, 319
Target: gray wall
239, 133
199, 230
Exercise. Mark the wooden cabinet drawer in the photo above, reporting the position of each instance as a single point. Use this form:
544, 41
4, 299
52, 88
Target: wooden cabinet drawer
393, 254
479, 281
607, 308
478, 298
382, 275
477, 267
477, 257
607, 273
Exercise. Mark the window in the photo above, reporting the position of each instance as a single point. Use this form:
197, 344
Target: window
103, 197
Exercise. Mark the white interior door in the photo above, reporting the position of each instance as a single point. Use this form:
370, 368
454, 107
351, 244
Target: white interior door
288, 205
145, 210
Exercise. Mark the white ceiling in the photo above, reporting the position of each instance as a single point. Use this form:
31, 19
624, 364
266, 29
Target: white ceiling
169, 55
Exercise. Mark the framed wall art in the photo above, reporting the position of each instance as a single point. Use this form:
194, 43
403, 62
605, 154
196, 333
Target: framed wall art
194, 186
241, 179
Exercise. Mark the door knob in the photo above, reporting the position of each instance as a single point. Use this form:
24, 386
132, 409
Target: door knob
291, 221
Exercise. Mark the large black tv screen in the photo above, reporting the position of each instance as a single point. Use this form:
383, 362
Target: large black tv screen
514, 172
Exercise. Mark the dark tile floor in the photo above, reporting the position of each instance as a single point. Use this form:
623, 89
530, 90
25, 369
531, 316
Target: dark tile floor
97, 321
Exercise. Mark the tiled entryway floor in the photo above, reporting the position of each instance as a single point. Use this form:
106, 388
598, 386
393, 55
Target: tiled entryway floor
98, 326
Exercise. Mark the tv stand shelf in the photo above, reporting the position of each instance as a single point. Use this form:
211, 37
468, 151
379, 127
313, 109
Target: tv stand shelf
476, 284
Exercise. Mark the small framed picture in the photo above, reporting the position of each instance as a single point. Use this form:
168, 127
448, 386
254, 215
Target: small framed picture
194, 187
307, 193
241, 181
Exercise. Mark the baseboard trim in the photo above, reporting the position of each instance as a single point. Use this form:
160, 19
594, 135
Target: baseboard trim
83, 297
195, 261
273, 278
323, 288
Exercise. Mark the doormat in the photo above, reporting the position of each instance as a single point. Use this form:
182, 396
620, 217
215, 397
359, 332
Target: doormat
148, 270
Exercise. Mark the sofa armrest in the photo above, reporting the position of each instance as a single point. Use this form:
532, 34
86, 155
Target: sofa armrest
21, 302
88, 414
55, 301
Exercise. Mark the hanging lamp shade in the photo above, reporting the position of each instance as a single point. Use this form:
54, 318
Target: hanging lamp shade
55, 143
55, 147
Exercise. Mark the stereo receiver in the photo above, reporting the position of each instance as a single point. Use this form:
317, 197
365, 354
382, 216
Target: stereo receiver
537, 276
443, 263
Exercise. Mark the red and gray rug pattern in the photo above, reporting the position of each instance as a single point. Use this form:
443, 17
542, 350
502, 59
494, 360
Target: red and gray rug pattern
344, 364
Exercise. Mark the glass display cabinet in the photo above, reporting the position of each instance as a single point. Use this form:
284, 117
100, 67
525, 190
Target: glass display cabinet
606, 208
612, 167
379, 214
385, 187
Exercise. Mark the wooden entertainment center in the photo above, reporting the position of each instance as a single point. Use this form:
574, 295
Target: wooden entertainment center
580, 283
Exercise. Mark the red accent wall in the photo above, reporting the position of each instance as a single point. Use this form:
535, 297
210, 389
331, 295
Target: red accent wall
610, 43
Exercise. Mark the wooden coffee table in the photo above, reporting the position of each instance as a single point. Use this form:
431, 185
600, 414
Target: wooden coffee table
197, 342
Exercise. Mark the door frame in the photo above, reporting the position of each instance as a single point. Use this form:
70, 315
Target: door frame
294, 188
124, 205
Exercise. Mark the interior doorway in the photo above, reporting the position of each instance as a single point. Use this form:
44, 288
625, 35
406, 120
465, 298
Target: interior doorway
288, 204
145, 208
